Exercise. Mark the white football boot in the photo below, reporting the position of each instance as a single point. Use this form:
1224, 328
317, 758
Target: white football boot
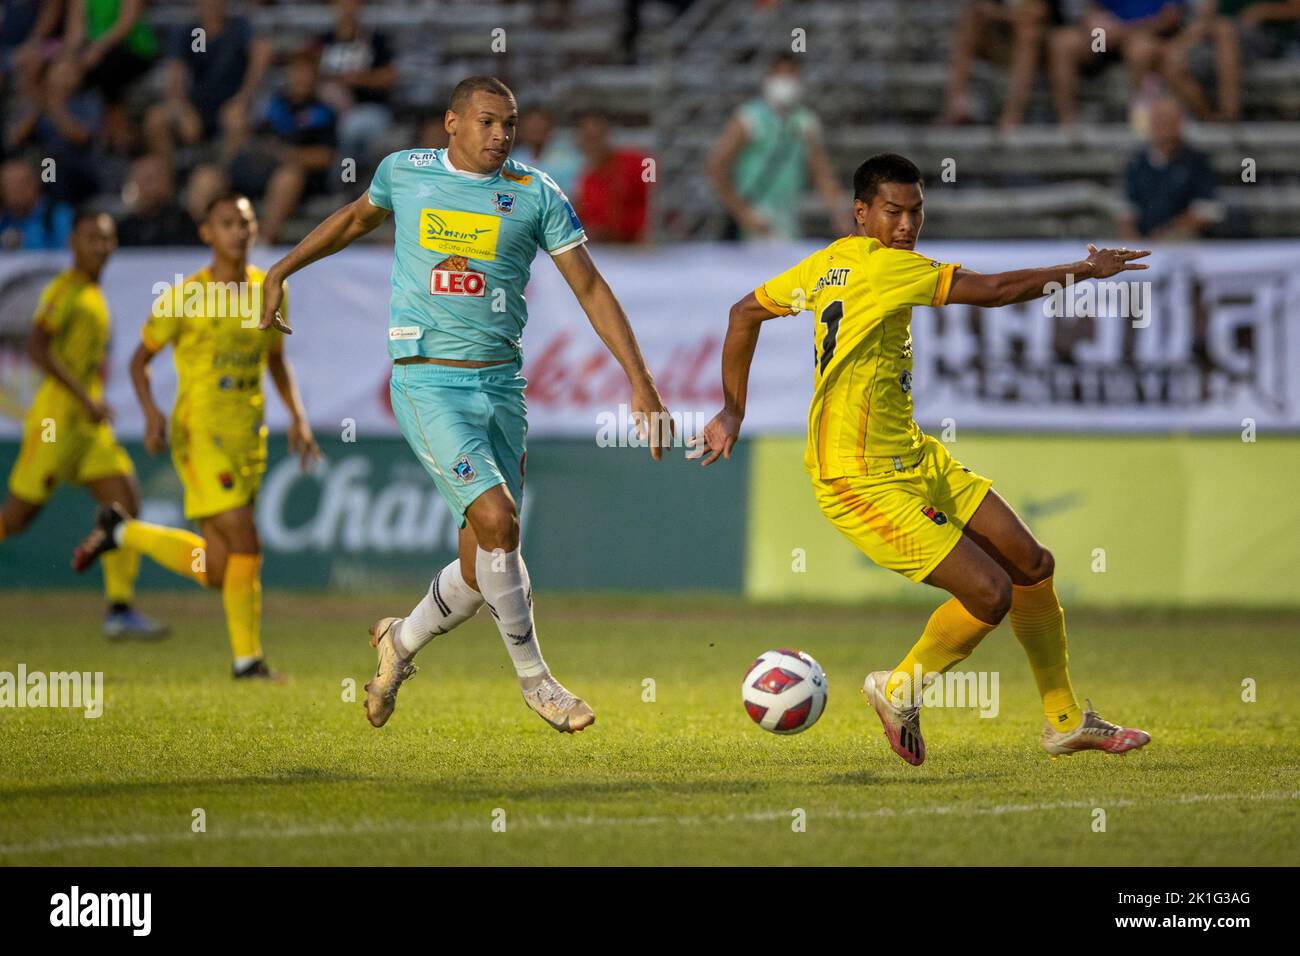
559, 708
391, 673
902, 724
1093, 733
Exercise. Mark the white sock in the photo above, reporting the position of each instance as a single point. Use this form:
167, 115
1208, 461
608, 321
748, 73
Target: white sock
450, 601
503, 580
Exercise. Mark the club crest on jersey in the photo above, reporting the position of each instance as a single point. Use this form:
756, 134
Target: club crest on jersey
938, 517
905, 381
453, 276
505, 203
227, 480
463, 469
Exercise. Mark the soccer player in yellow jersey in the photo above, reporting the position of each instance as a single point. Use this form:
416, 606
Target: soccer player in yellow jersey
218, 437
895, 492
67, 435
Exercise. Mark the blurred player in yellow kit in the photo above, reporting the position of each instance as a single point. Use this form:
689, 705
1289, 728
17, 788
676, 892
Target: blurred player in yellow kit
895, 492
67, 436
218, 436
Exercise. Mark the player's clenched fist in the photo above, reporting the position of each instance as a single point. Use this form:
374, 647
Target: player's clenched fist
155, 432
718, 438
1107, 262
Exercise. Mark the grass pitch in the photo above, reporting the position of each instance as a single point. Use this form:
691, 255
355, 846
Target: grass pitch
295, 775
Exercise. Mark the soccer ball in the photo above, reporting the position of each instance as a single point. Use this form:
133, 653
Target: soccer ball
784, 691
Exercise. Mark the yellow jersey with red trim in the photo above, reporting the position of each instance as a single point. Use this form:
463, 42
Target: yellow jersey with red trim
861, 294
74, 312
220, 353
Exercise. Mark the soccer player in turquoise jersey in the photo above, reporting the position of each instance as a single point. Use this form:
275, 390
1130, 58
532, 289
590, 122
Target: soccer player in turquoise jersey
469, 222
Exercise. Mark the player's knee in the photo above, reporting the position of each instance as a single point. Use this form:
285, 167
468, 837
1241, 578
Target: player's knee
496, 525
994, 599
1042, 565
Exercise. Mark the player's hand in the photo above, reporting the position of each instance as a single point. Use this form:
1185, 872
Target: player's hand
97, 411
155, 432
718, 438
1104, 263
757, 223
303, 444
652, 419
272, 296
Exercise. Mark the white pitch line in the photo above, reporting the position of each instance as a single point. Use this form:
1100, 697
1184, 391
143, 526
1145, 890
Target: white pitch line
118, 840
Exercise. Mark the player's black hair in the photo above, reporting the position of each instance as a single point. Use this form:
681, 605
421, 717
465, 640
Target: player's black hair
883, 168
87, 211
226, 195
476, 84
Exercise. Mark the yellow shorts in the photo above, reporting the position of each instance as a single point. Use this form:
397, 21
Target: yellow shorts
219, 470
80, 452
908, 519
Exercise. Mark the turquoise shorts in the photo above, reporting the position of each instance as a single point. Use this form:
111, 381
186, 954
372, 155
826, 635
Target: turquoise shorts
468, 426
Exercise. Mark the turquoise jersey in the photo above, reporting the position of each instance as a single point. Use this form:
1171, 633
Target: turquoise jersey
464, 250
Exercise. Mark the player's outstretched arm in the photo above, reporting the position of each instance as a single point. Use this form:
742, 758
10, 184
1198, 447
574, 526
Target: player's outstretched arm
338, 231
723, 431
610, 322
301, 440
155, 422
1022, 285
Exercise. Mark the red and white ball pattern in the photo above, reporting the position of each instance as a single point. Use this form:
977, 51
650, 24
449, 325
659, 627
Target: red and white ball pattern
784, 691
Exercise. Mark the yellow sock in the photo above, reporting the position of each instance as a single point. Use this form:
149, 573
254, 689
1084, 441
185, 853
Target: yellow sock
1039, 623
120, 570
241, 593
179, 551
949, 637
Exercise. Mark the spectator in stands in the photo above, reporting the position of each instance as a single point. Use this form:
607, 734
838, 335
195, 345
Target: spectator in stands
305, 135
1170, 186
1261, 28
116, 47
154, 217
613, 190
1134, 29
985, 20
212, 77
207, 181
538, 144
29, 219
61, 122
766, 154
28, 35
359, 78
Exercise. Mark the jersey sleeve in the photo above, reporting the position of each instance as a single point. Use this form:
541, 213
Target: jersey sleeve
381, 186
790, 292
52, 308
164, 324
902, 278
559, 228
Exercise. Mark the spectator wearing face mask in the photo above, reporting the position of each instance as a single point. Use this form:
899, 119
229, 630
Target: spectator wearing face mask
767, 153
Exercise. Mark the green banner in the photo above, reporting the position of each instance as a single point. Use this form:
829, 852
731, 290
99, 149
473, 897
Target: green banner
1145, 520
368, 517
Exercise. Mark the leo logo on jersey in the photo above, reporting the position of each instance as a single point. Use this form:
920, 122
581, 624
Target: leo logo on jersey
453, 276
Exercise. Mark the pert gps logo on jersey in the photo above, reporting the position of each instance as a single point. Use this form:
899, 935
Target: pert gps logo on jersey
470, 234
453, 276
421, 159
463, 469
